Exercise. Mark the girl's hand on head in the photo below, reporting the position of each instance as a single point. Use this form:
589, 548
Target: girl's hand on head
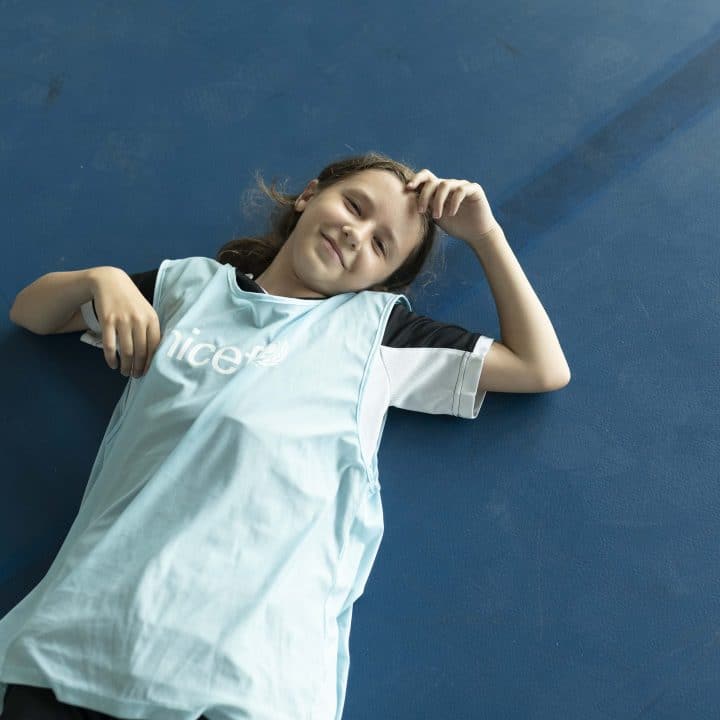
127, 319
459, 207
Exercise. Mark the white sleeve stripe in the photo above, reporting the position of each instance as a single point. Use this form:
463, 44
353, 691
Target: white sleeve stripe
436, 380
471, 399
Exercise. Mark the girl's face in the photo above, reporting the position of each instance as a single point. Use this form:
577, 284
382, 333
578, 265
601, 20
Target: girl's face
374, 222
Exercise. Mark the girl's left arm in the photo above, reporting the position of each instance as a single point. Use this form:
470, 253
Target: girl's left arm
462, 210
524, 325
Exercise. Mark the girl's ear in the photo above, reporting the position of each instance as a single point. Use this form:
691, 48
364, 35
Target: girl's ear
306, 194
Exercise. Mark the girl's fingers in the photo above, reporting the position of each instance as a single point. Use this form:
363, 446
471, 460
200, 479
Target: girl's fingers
437, 193
429, 181
420, 177
125, 340
435, 205
425, 194
444, 188
460, 195
109, 341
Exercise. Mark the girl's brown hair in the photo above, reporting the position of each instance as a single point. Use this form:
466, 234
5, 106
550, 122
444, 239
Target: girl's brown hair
254, 254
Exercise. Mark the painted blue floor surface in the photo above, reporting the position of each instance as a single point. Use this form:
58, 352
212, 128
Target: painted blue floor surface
554, 558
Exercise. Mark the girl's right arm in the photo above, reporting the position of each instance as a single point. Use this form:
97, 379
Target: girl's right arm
125, 316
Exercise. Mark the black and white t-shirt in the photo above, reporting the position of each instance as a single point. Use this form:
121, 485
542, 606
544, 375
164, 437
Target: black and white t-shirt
423, 365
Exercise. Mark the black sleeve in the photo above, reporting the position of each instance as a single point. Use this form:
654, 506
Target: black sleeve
406, 329
145, 282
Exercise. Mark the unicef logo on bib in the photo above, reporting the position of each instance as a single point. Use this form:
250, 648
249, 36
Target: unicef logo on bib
272, 354
225, 359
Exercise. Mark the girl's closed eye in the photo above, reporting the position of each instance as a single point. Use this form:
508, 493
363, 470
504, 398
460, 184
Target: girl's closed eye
357, 208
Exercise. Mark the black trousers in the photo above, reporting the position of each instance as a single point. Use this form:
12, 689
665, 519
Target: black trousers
25, 702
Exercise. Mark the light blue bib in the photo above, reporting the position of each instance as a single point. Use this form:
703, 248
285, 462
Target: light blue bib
230, 519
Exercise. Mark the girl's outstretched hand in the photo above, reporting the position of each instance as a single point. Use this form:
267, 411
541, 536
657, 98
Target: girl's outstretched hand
459, 207
127, 319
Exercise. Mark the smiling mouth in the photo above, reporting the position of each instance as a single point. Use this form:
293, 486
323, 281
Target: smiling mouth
334, 249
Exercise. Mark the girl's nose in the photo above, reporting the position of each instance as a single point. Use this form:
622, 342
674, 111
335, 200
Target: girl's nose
352, 235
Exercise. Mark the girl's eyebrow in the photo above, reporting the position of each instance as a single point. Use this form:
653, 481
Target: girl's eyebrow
370, 202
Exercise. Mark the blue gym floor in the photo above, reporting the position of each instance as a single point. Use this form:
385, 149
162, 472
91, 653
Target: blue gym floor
555, 558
